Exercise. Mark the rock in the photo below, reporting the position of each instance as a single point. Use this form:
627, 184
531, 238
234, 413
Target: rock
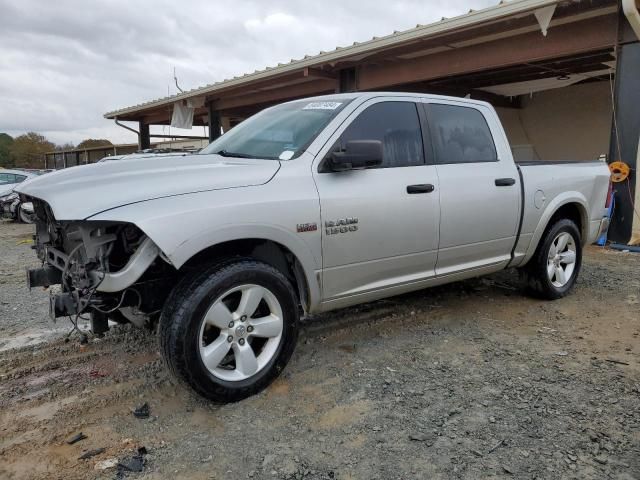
507, 469
106, 464
601, 459
268, 460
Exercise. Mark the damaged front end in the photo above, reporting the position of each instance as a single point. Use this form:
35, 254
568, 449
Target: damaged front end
108, 270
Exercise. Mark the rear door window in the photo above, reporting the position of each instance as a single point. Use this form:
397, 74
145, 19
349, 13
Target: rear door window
460, 135
396, 125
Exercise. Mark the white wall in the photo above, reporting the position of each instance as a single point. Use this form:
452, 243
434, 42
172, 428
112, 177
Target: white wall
570, 123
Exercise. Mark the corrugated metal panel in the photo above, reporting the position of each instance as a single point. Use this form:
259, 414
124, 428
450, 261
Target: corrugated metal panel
445, 25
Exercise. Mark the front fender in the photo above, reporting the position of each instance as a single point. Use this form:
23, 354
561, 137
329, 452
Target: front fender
185, 225
221, 234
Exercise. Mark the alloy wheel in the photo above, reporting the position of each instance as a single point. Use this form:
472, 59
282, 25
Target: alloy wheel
241, 332
561, 260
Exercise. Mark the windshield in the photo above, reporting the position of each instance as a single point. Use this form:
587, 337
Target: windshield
278, 133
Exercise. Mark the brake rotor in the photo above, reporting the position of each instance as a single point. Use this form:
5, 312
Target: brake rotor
619, 171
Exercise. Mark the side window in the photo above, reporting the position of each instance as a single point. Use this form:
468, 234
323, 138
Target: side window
4, 178
396, 125
20, 178
460, 135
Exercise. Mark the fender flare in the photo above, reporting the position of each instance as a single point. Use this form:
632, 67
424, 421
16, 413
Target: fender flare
558, 202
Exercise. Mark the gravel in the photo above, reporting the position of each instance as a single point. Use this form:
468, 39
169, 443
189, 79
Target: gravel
459, 381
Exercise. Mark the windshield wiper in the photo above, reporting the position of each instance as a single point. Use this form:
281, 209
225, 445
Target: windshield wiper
225, 153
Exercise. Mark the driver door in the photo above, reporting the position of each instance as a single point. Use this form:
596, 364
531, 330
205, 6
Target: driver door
379, 225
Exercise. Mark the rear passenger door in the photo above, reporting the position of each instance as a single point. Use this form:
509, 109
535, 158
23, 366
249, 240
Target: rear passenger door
379, 225
479, 187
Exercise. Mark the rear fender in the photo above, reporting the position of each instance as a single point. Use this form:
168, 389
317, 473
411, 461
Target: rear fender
562, 199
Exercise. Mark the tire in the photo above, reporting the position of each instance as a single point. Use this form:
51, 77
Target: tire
550, 274
195, 328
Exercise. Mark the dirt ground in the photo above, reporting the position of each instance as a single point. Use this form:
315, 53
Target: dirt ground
470, 380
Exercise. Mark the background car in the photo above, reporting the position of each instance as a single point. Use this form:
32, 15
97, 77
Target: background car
10, 205
10, 178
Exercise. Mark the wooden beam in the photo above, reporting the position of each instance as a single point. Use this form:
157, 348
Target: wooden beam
318, 73
574, 38
476, 33
276, 94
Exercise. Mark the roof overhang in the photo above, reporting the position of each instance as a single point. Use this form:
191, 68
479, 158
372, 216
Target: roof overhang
461, 45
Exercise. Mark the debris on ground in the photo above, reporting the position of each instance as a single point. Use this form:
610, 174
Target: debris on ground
76, 438
619, 362
497, 445
132, 464
142, 411
91, 453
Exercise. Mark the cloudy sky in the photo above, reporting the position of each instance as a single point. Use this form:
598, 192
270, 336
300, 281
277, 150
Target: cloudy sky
64, 63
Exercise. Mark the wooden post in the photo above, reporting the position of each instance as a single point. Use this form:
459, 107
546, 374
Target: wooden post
347, 81
144, 140
625, 135
214, 122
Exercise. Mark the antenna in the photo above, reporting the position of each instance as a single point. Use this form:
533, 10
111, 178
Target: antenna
176, 80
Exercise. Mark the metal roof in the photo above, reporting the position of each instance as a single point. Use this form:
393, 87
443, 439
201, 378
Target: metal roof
445, 25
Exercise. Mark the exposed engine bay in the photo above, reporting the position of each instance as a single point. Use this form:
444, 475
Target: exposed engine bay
109, 270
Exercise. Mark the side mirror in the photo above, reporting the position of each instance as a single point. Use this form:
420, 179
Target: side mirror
357, 154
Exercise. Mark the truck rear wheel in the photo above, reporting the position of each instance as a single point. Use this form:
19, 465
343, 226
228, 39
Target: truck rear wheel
552, 271
229, 330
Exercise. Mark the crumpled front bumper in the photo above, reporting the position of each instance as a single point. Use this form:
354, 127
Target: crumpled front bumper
9, 207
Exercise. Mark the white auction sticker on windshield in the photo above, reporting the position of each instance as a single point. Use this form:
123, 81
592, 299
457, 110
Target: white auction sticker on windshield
322, 105
286, 155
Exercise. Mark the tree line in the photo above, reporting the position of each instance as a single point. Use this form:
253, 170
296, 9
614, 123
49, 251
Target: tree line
27, 151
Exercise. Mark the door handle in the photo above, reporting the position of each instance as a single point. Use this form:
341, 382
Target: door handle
505, 182
420, 188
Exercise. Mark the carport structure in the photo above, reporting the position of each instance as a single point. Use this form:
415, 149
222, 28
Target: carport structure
563, 75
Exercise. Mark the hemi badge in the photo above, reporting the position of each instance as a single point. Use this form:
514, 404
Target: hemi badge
306, 227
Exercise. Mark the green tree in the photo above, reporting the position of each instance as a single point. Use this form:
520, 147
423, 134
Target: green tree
94, 142
6, 160
64, 147
28, 150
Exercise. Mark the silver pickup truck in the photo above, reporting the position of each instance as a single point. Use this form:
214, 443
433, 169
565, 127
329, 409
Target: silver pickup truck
306, 207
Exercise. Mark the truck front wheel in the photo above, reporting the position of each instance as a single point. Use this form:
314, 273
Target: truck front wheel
228, 330
552, 271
